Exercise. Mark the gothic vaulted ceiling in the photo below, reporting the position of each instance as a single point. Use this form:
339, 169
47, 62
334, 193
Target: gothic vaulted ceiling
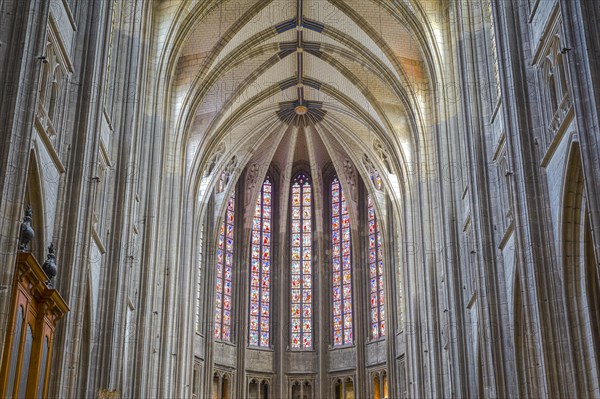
245, 72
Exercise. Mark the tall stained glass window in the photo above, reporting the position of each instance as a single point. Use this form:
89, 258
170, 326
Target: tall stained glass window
199, 289
342, 267
260, 264
375, 275
224, 275
301, 271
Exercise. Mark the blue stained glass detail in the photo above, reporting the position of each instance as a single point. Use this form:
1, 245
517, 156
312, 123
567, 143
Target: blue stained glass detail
341, 267
260, 261
376, 274
301, 267
222, 329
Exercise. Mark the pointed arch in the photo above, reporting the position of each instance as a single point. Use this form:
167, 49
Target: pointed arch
260, 268
224, 274
301, 248
341, 258
376, 274
580, 276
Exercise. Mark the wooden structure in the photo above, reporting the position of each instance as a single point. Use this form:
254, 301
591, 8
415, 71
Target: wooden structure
35, 310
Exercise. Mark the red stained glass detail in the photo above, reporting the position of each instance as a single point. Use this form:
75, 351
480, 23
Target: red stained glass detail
223, 285
342, 266
260, 260
376, 282
301, 267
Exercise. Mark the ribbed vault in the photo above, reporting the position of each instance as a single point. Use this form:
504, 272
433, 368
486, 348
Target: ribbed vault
239, 71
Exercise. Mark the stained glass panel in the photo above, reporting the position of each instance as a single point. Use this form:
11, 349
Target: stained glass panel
301, 268
200, 282
376, 179
376, 277
342, 267
224, 271
260, 261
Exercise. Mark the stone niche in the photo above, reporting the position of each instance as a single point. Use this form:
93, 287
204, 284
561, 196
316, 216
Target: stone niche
342, 359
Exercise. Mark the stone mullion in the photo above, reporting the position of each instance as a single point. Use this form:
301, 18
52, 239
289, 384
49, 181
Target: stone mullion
275, 305
191, 232
318, 264
319, 279
281, 345
198, 234
210, 258
359, 259
241, 283
391, 301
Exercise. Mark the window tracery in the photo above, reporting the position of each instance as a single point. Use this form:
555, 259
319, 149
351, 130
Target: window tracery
301, 389
52, 90
342, 267
224, 274
376, 277
260, 266
199, 284
301, 263
379, 384
222, 384
554, 81
343, 387
259, 387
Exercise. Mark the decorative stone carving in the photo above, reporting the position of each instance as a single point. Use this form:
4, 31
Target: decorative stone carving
373, 172
226, 174
213, 160
49, 266
349, 173
383, 155
368, 163
108, 394
252, 176
251, 181
27, 233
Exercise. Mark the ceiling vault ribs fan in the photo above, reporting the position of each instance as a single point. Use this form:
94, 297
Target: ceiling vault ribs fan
300, 112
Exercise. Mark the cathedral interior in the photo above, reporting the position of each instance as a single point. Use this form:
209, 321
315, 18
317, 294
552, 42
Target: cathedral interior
304, 199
